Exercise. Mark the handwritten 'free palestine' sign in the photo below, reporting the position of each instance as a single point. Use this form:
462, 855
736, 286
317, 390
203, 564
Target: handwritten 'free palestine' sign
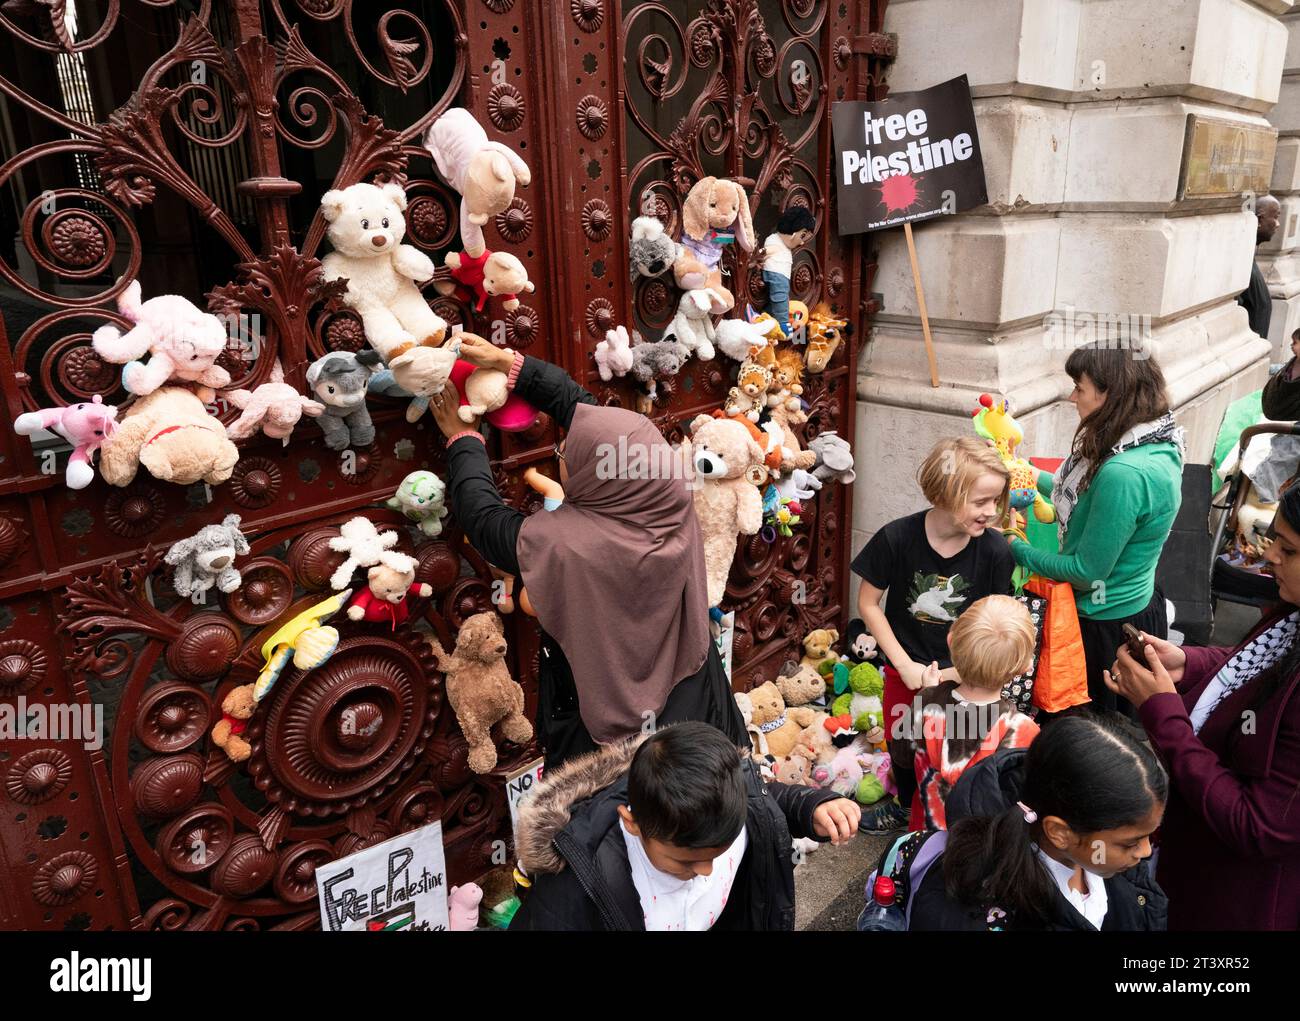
399, 885
913, 156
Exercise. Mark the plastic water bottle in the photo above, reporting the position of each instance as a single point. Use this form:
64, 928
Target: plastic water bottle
882, 914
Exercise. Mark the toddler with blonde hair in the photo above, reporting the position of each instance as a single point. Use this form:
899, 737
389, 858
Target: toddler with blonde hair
957, 723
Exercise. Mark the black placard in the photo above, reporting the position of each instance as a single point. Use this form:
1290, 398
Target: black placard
913, 156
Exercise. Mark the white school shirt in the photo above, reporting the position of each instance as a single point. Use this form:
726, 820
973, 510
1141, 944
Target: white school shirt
670, 904
1092, 905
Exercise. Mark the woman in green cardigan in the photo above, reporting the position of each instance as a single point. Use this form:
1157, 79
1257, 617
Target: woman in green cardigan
1116, 497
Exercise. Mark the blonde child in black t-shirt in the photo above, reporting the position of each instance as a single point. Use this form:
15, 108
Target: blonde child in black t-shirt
931, 565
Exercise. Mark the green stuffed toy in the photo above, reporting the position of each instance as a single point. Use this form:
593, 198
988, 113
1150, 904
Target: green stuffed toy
862, 701
869, 790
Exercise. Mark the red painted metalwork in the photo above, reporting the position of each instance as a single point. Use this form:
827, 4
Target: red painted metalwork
210, 137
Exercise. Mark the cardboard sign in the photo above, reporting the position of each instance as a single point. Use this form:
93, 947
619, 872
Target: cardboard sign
519, 786
399, 885
913, 156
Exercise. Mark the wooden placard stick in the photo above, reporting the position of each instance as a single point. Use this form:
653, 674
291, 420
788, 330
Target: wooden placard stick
920, 302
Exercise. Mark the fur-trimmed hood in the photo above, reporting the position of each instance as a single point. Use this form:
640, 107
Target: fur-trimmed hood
550, 807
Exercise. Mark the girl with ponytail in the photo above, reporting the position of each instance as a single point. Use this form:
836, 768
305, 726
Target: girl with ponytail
1053, 836
1226, 722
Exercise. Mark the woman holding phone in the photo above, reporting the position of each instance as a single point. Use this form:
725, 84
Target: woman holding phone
1226, 722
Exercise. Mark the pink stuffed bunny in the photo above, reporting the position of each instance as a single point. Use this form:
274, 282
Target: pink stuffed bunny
275, 407
85, 426
184, 341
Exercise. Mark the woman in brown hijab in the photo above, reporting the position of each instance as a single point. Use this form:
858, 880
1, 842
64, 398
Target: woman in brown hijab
615, 573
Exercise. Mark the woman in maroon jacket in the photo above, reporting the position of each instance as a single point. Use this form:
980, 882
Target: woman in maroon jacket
1227, 724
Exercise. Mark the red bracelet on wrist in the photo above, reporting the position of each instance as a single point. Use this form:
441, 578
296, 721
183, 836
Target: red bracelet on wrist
514, 371
466, 432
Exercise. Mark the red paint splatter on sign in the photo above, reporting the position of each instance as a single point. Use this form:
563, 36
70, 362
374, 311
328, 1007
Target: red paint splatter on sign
898, 192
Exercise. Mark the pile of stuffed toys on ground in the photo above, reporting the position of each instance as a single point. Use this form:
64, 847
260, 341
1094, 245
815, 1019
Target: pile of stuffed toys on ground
754, 471
821, 722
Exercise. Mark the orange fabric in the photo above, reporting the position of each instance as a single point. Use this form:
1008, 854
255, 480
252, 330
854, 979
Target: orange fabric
1062, 677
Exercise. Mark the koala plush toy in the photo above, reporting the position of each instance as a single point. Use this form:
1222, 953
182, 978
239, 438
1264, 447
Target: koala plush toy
652, 250
339, 381
655, 360
207, 558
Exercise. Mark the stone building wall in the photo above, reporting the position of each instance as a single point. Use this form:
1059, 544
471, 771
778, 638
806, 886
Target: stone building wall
1082, 107
1279, 259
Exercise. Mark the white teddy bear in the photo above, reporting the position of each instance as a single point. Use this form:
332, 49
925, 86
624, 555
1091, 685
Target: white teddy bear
366, 228
364, 545
693, 325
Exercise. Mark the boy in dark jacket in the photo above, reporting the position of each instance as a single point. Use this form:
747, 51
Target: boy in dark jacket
669, 832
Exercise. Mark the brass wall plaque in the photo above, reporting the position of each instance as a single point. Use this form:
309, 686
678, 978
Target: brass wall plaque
1223, 157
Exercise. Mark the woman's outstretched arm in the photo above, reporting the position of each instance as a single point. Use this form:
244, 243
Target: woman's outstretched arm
549, 388
545, 386
490, 525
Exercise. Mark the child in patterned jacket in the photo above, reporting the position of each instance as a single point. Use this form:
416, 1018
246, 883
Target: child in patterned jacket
958, 723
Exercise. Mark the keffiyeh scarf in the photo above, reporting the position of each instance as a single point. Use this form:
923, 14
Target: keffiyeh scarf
1246, 664
1068, 485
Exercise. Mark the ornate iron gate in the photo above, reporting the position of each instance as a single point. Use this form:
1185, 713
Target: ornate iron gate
188, 144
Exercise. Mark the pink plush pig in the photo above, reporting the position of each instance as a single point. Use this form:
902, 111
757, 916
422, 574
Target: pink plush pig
84, 425
462, 905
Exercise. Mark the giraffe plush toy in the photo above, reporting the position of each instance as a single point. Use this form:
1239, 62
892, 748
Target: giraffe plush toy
824, 334
994, 422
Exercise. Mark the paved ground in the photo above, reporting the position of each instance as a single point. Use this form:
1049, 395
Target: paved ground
829, 885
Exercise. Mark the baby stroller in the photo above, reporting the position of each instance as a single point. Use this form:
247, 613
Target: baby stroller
1242, 526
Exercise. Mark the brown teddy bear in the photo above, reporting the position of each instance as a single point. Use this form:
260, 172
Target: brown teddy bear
747, 396
800, 684
236, 710
784, 728
795, 769
817, 647
172, 435
481, 690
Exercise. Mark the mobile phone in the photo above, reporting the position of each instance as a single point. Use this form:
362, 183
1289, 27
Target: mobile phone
1136, 647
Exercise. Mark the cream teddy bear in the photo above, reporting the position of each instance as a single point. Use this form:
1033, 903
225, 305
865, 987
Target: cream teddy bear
366, 228
484, 172
171, 435
728, 468
391, 586
489, 275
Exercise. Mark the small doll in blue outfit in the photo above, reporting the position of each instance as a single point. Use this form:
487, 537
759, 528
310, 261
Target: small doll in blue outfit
794, 229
